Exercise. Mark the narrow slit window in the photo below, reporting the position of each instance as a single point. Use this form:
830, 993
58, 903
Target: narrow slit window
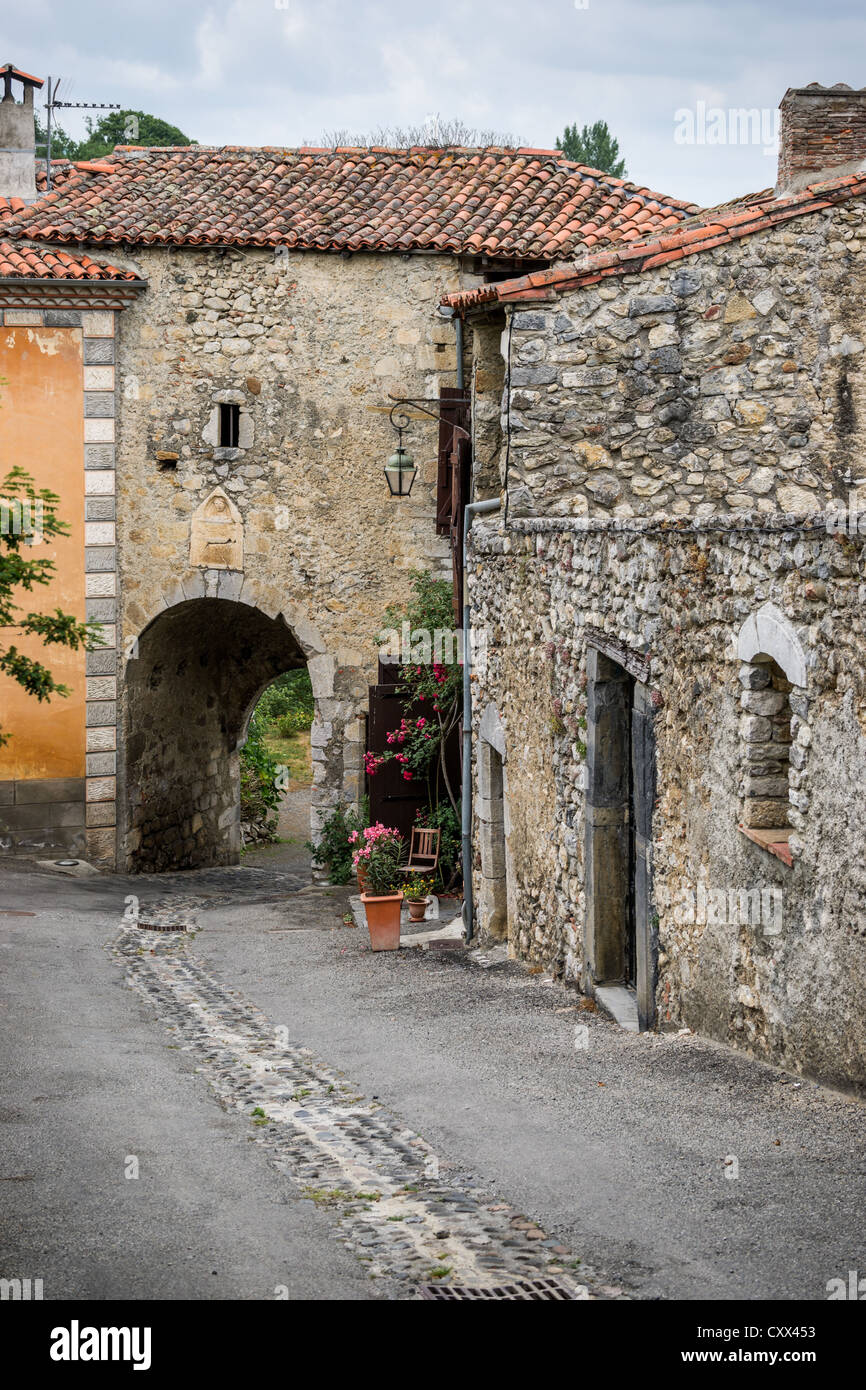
230, 417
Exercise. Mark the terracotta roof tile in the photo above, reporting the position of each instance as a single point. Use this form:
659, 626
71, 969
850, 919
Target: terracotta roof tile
20, 262
517, 204
713, 227
22, 76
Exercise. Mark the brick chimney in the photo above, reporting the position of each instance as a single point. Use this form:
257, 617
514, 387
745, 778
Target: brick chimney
18, 136
822, 134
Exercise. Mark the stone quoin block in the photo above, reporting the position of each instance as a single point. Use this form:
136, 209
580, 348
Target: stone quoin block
99, 484
99, 533
98, 378
100, 585
101, 788
62, 318
100, 509
101, 712
98, 350
98, 559
101, 687
101, 739
100, 813
99, 456
98, 323
101, 846
98, 404
98, 431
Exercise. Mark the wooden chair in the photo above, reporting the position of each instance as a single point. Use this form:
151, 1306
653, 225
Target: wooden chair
423, 851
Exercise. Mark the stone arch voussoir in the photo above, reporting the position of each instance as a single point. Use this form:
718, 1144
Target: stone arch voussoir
769, 633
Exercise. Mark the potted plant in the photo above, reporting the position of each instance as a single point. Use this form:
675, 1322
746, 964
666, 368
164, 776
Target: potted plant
417, 890
383, 898
364, 840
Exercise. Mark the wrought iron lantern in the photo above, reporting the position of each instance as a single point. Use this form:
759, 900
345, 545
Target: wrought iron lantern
401, 469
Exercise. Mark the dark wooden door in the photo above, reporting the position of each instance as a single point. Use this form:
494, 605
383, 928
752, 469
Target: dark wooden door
393, 800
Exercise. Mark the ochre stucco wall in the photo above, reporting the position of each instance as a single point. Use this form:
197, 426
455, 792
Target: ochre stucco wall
41, 430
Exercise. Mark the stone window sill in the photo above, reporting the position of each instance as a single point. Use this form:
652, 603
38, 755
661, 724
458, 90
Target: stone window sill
773, 841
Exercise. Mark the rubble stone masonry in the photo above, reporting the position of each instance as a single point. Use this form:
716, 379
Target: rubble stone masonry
676, 440
307, 347
734, 379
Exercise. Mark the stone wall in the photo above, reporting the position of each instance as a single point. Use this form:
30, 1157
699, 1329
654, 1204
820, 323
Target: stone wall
732, 379
307, 346
550, 591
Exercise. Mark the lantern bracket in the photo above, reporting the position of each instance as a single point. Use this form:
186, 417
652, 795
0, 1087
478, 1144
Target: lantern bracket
401, 419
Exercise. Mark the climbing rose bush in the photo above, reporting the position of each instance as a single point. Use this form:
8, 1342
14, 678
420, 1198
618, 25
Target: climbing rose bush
419, 742
431, 691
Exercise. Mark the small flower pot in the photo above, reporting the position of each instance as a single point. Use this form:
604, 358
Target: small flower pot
383, 920
417, 909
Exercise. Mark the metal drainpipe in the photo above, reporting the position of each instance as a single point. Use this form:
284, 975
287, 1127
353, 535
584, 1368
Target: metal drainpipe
469, 513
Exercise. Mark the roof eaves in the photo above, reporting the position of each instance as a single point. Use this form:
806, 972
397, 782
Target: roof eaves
657, 250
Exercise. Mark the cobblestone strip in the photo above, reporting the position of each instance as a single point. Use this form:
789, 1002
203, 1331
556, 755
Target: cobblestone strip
381, 1180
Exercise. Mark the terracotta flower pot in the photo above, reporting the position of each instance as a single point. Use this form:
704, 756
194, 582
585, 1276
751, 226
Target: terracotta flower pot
417, 909
383, 920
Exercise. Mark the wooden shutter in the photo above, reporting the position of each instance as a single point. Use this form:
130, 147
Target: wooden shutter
456, 414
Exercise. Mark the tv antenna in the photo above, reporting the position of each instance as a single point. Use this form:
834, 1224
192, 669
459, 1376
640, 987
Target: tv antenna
52, 104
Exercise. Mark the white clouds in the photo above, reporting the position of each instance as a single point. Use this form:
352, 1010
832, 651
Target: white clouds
253, 72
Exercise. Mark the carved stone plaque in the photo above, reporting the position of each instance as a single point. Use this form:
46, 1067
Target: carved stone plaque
216, 539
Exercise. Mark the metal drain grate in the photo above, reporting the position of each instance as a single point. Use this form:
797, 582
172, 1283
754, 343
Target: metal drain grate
518, 1290
161, 926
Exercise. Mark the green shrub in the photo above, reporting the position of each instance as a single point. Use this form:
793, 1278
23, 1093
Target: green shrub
259, 794
447, 820
334, 850
287, 705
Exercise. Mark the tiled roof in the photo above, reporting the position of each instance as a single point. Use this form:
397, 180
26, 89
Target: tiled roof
714, 227
22, 76
516, 204
19, 262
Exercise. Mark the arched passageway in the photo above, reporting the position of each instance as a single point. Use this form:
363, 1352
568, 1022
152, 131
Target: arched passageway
190, 687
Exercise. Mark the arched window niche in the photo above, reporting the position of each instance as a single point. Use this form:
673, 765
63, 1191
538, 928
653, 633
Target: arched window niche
773, 733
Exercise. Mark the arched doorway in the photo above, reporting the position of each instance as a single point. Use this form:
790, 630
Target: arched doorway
191, 683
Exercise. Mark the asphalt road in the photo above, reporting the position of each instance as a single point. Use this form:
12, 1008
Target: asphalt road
618, 1147
88, 1082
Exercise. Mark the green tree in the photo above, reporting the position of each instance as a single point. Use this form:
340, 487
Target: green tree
593, 146
116, 128
106, 132
21, 502
62, 145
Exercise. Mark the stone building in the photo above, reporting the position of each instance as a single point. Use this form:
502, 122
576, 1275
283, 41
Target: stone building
669, 403
227, 430
671, 726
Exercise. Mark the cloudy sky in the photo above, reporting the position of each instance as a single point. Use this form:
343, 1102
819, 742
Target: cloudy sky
286, 71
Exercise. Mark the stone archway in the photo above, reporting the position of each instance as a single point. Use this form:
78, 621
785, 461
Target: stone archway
191, 681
